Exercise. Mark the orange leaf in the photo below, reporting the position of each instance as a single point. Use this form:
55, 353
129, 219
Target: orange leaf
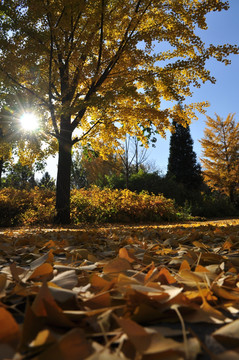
225, 294
124, 254
184, 266
9, 329
151, 274
100, 283
99, 301
165, 277
200, 268
43, 271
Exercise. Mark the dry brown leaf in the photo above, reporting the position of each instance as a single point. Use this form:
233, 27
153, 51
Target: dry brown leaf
101, 300
31, 327
3, 284
136, 334
17, 272
228, 335
155, 343
43, 296
221, 292
208, 314
193, 272
72, 346
117, 265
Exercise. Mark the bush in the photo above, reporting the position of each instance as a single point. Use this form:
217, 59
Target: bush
37, 206
22, 207
214, 205
96, 205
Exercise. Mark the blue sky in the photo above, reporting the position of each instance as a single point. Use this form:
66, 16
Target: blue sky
223, 28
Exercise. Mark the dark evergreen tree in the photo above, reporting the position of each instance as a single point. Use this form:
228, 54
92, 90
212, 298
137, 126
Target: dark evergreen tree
182, 162
47, 182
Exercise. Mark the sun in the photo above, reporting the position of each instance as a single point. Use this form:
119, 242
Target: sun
29, 121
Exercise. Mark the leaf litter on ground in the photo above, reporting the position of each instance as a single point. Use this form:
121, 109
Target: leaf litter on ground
120, 292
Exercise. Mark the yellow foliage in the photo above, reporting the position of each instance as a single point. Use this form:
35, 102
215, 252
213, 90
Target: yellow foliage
100, 66
221, 154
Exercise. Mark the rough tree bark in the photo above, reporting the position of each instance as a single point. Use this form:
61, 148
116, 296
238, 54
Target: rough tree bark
64, 174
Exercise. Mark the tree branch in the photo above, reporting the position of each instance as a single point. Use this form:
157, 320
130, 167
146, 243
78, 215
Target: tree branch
125, 39
86, 133
101, 37
15, 81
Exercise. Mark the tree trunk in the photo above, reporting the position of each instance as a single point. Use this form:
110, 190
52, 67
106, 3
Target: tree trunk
63, 179
232, 195
1, 170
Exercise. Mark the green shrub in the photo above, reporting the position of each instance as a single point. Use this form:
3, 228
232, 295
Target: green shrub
214, 205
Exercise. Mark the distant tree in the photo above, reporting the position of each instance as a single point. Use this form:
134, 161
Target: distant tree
148, 181
132, 156
78, 173
47, 182
182, 162
220, 156
88, 167
94, 169
19, 176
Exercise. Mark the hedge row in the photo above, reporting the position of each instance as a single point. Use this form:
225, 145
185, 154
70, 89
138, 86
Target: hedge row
37, 206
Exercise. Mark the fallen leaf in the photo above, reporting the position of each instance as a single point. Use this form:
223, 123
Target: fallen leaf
42, 272
117, 265
9, 329
66, 279
73, 345
228, 335
124, 254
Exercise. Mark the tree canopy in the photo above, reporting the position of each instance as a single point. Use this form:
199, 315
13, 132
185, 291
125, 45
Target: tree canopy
105, 67
220, 156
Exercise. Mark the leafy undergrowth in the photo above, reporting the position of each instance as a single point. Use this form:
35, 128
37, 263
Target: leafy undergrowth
120, 292
94, 205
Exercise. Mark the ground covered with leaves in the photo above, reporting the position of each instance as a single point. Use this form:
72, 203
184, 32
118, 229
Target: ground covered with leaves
120, 292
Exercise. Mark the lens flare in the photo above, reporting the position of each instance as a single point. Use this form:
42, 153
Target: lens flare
29, 121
